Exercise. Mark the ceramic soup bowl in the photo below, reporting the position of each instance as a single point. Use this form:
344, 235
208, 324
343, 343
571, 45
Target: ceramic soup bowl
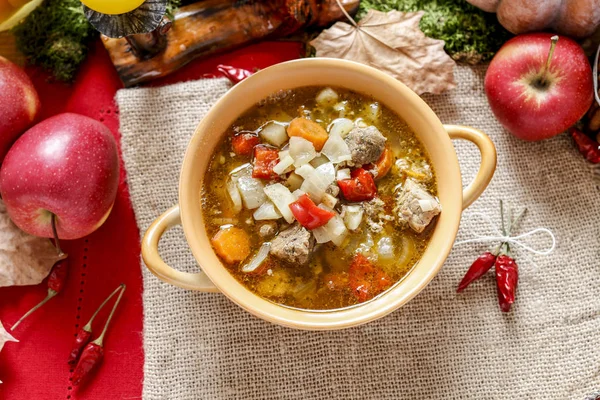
435, 137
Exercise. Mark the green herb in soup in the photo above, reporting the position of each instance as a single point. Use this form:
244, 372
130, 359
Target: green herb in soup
319, 198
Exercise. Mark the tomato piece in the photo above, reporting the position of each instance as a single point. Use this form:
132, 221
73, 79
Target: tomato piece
366, 280
308, 214
265, 158
359, 187
243, 143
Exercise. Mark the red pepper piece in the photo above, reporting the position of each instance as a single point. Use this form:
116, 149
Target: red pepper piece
482, 265
93, 353
366, 281
243, 143
507, 276
56, 283
56, 279
235, 75
92, 356
308, 214
85, 334
265, 158
588, 147
360, 187
83, 338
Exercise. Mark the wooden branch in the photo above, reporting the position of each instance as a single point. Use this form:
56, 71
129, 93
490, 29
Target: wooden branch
213, 26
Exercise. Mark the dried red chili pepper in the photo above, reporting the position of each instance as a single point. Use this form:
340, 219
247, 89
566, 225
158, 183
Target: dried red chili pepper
93, 353
85, 334
482, 265
235, 75
588, 147
507, 276
56, 279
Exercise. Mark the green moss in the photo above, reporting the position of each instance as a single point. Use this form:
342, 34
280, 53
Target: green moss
471, 35
56, 37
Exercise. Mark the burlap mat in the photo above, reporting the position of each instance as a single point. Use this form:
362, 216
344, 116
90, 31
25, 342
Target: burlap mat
440, 345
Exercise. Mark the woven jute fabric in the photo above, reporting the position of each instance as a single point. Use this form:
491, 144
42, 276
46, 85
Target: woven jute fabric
441, 344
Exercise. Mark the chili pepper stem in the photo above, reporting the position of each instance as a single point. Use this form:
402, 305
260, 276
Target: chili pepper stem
51, 294
99, 341
88, 326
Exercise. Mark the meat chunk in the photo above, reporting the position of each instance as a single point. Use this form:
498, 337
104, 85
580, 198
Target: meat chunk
267, 230
365, 144
415, 206
293, 245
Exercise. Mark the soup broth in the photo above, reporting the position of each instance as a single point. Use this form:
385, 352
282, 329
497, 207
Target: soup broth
340, 245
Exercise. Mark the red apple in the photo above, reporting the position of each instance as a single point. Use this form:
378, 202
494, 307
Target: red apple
537, 89
68, 166
19, 104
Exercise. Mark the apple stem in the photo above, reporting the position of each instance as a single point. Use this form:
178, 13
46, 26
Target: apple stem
55, 233
544, 73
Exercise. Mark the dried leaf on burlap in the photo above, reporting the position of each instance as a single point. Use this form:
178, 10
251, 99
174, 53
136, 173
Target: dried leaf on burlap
24, 259
5, 337
392, 42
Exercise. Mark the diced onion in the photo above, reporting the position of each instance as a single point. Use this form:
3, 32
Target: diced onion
336, 149
258, 259
250, 189
281, 198
315, 186
284, 165
294, 181
372, 111
385, 248
360, 123
334, 230
327, 170
329, 201
266, 211
343, 174
327, 97
318, 161
234, 195
353, 216
301, 150
341, 108
274, 133
305, 171
298, 193
340, 126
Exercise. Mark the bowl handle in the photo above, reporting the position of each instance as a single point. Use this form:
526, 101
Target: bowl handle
488, 160
158, 267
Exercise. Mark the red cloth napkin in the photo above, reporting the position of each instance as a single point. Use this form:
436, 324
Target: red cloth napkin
36, 368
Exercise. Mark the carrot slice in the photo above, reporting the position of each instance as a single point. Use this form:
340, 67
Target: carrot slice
231, 244
308, 130
384, 163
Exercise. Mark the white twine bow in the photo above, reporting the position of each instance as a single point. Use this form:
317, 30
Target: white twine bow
513, 240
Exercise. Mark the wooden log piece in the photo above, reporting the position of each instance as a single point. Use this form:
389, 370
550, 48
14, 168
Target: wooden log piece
213, 26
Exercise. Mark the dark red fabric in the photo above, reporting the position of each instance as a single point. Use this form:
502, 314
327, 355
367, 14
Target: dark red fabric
36, 368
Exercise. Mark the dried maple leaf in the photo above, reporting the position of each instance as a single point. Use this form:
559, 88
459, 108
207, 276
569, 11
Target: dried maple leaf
391, 42
24, 259
5, 337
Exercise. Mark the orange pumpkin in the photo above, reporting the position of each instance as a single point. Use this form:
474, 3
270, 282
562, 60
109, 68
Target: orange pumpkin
576, 18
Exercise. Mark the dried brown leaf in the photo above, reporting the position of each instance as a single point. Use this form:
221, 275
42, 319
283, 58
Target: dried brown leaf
24, 259
392, 42
5, 337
